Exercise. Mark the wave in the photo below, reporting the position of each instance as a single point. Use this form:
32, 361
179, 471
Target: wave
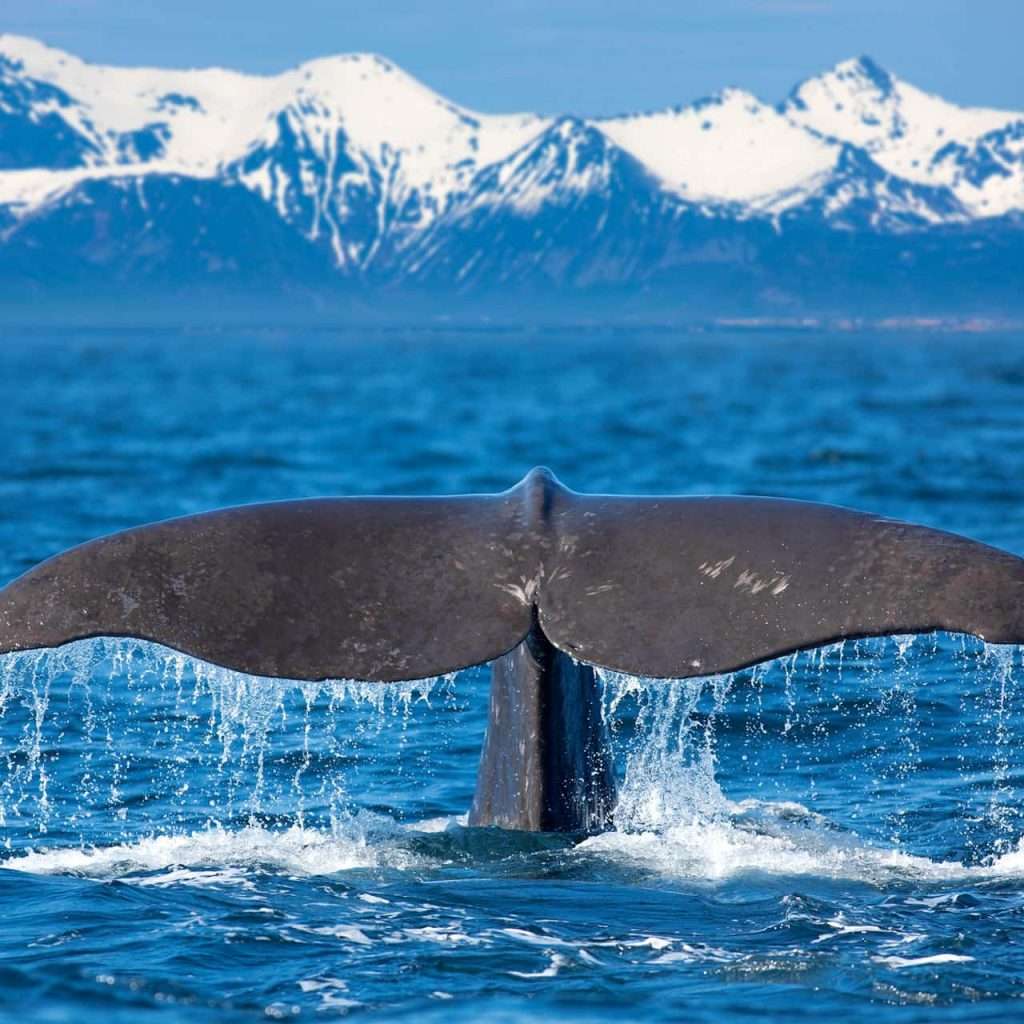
787, 840
224, 856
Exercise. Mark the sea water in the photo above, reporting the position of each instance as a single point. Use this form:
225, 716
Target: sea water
837, 832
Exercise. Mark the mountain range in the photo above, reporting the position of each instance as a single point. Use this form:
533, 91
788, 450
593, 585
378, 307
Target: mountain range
345, 184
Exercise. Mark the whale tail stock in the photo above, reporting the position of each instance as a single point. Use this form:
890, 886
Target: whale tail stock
538, 579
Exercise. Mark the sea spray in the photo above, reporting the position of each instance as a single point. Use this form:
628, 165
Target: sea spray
125, 738
150, 738
667, 757
856, 734
1002, 812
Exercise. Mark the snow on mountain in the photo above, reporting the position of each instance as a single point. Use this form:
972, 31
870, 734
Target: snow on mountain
285, 136
858, 194
916, 135
349, 165
728, 148
568, 160
359, 144
191, 119
353, 139
987, 172
33, 127
568, 207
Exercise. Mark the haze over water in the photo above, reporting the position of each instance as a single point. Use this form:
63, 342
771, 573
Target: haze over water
833, 833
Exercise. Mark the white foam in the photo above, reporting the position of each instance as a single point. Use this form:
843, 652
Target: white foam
218, 856
716, 850
434, 825
1009, 864
451, 936
327, 989
535, 938
694, 954
555, 965
899, 962
347, 932
700, 850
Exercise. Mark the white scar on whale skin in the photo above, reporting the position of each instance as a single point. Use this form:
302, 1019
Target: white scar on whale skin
747, 579
523, 592
750, 581
715, 569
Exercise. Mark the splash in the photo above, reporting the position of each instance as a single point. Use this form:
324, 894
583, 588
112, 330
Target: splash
218, 856
836, 762
666, 745
875, 760
137, 727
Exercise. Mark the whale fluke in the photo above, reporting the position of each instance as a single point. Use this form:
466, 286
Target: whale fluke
404, 588
539, 577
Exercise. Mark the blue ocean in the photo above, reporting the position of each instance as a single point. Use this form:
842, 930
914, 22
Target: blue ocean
834, 834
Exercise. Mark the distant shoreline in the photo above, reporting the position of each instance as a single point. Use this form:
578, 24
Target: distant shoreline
973, 325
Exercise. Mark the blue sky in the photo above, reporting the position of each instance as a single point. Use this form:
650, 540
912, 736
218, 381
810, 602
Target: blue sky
600, 56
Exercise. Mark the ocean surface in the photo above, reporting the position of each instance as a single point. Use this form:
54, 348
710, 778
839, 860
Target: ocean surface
833, 835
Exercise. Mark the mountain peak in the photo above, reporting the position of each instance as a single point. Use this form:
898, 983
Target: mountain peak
568, 159
362, 84
348, 162
705, 151
365, 64
570, 126
865, 70
857, 83
568, 141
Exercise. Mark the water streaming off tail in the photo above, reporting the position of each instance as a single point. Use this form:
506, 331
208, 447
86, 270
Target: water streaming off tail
904, 744
128, 737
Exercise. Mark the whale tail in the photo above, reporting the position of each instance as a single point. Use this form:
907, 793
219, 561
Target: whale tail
539, 579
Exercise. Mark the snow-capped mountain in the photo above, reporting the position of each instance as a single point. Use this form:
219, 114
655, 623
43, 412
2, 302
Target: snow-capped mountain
977, 153
360, 109
346, 169
570, 208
